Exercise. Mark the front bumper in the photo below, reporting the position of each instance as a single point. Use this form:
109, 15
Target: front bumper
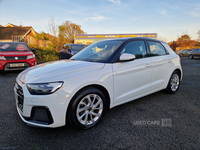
41, 110
5, 64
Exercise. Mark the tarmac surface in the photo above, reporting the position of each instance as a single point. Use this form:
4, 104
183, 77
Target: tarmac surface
157, 121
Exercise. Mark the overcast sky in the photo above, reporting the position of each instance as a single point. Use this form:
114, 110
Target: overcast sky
169, 18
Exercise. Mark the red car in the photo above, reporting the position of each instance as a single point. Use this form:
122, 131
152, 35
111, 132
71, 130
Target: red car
16, 56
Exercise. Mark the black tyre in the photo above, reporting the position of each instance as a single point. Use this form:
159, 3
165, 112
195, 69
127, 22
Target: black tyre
191, 57
2, 71
174, 83
86, 108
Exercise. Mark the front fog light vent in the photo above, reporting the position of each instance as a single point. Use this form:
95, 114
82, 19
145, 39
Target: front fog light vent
41, 114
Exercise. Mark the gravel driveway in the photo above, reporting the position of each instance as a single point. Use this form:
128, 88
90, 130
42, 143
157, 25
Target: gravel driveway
157, 121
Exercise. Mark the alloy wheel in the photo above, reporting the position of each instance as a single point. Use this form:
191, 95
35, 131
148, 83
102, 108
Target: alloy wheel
89, 109
174, 83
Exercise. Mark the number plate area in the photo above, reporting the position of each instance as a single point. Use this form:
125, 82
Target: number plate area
17, 65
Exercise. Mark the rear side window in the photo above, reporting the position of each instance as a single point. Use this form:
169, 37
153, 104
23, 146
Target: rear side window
156, 49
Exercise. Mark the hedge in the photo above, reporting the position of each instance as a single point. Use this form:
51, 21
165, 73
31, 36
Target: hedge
45, 55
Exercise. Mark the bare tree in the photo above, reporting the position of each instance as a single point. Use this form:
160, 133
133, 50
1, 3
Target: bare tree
198, 39
53, 31
59, 35
161, 38
52, 27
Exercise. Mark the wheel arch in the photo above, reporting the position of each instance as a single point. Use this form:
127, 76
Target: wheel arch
179, 71
97, 86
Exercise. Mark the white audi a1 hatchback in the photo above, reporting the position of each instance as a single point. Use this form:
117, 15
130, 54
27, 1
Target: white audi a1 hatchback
101, 76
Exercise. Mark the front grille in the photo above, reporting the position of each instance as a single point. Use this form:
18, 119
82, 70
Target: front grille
16, 58
20, 96
40, 115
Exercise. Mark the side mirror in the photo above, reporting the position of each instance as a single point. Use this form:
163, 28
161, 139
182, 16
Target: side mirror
32, 49
126, 57
69, 50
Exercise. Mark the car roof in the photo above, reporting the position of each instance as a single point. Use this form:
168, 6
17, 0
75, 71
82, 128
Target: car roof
138, 38
124, 39
196, 49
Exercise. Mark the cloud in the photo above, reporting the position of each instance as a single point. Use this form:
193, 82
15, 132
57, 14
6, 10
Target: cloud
163, 12
137, 18
97, 18
118, 2
195, 14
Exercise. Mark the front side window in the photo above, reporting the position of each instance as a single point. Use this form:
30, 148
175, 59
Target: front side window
156, 49
98, 52
136, 48
78, 47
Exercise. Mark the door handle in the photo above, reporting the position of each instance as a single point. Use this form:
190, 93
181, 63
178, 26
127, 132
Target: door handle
147, 65
169, 61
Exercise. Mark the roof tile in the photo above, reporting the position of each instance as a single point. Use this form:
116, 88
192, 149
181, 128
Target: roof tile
7, 32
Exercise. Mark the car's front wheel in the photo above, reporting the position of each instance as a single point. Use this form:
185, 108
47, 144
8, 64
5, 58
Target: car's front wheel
87, 108
174, 82
191, 57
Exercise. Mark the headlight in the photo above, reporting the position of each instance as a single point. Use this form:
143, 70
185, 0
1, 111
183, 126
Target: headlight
30, 56
43, 88
2, 58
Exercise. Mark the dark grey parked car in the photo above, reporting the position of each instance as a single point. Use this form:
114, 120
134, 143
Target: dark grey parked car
195, 53
185, 52
70, 49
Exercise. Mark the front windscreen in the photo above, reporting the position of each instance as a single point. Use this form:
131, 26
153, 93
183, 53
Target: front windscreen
98, 52
77, 47
13, 47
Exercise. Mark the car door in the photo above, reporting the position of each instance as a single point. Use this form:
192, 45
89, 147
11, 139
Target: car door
194, 53
198, 53
162, 66
132, 79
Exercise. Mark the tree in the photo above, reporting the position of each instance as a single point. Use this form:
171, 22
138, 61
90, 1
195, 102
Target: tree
173, 45
71, 29
61, 34
198, 36
52, 27
184, 41
53, 31
161, 38
37, 37
44, 37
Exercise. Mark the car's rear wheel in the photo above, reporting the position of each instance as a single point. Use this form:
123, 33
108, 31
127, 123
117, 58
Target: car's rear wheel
191, 57
87, 108
174, 82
